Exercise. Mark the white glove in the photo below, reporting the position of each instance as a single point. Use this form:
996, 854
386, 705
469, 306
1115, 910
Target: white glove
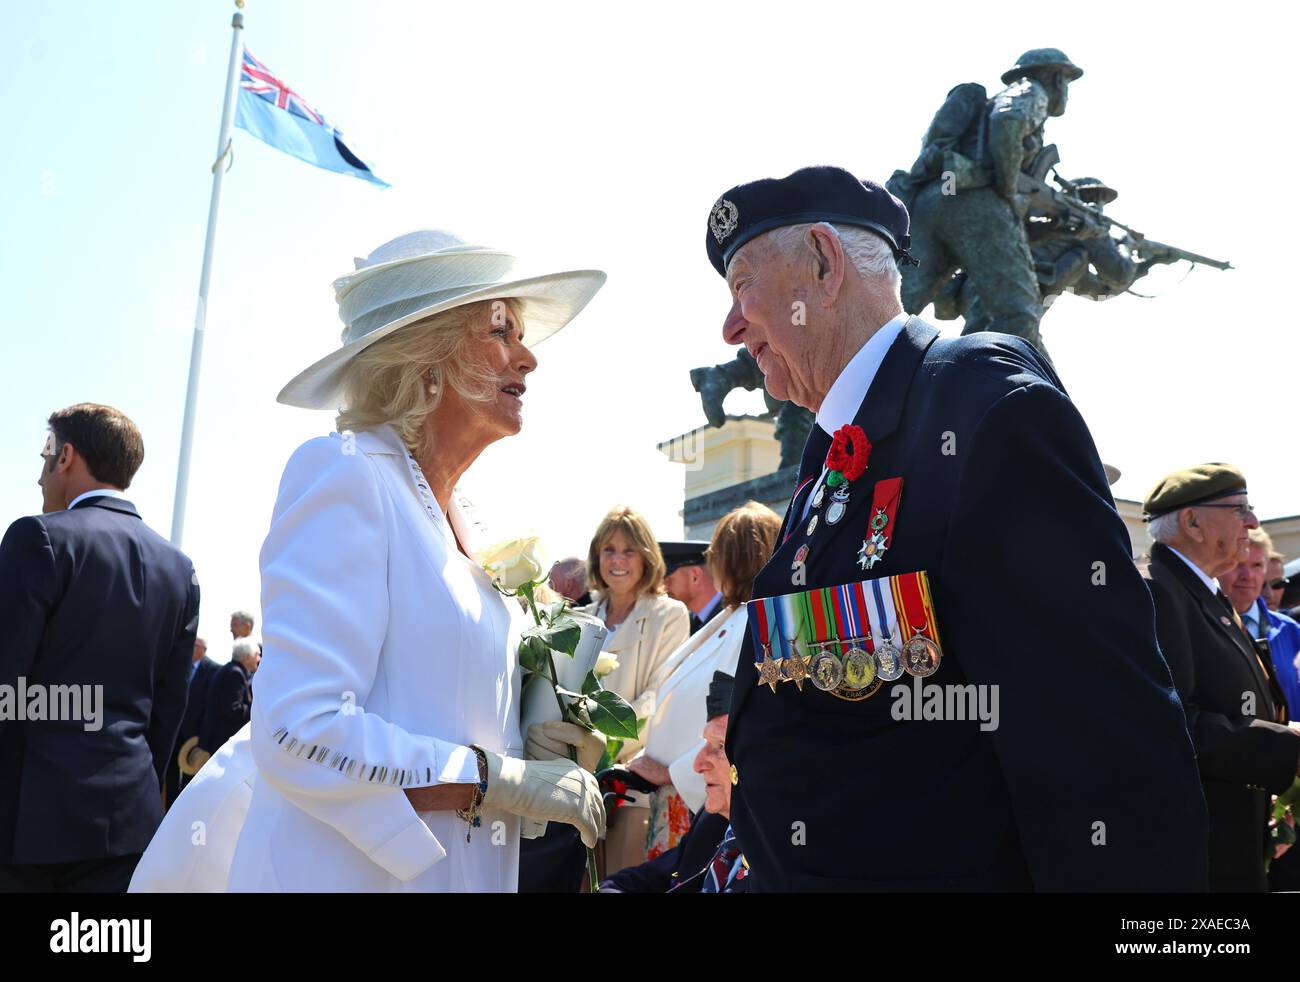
552, 740
548, 790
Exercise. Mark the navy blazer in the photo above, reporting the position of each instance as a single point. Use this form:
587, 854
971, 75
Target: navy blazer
1089, 781
1243, 752
196, 706
691, 854
92, 596
230, 700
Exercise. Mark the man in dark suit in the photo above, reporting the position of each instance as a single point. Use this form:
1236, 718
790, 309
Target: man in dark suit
91, 597
229, 703
981, 473
688, 580
1200, 519
202, 672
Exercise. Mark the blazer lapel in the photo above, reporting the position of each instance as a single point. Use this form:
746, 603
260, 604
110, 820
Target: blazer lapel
882, 405
1216, 611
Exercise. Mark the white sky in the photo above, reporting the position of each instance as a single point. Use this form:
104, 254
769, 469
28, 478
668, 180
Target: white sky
597, 135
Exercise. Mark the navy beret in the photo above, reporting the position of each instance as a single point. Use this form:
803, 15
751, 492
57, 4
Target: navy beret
718, 701
813, 194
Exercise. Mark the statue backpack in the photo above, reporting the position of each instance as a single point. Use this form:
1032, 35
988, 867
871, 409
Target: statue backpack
959, 123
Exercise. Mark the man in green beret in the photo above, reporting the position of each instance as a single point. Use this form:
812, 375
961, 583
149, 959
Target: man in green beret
1199, 520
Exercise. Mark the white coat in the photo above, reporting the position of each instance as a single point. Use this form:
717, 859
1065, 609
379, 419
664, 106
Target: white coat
387, 652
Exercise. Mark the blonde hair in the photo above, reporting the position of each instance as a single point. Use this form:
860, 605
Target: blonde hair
1258, 537
743, 541
637, 530
389, 381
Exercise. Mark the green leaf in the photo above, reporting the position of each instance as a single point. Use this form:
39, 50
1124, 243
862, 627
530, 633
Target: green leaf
591, 685
640, 725
612, 747
552, 611
533, 654
564, 635
611, 714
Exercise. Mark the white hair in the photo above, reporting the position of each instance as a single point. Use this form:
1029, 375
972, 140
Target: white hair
1165, 528
244, 617
243, 648
870, 255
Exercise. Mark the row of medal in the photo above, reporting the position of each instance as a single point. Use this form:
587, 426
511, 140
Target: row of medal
842, 637
855, 668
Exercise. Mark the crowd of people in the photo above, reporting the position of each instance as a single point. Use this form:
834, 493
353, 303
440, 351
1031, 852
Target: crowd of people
1145, 739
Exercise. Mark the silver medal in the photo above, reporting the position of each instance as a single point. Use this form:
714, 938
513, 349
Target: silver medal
839, 504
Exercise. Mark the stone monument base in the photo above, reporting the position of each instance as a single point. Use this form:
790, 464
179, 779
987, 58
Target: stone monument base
727, 466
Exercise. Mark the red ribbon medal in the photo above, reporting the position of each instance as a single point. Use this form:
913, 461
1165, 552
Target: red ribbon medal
884, 509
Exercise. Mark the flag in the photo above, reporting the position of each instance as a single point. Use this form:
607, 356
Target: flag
276, 114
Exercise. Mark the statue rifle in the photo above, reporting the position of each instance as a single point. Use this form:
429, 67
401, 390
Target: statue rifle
1048, 200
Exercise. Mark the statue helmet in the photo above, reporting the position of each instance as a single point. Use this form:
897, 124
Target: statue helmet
1094, 191
1042, 58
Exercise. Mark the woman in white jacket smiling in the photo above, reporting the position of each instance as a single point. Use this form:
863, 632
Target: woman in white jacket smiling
385, 712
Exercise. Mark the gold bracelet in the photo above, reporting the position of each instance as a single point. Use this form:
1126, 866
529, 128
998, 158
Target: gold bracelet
472, 814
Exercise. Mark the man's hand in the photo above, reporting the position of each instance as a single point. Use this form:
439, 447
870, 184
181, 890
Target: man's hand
650, 769
551, 741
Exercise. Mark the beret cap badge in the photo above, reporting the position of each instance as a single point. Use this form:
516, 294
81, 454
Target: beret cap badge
723, 219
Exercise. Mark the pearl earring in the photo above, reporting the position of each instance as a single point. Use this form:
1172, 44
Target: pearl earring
433, 384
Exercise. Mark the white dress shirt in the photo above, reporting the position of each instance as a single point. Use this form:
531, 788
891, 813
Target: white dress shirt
1200, 573
387, 653
846, 393
95, 493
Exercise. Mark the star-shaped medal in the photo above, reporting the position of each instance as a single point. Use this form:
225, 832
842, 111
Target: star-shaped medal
797, 669
872, 551
769, 669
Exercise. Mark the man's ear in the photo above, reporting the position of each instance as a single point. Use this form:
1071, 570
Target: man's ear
829, 262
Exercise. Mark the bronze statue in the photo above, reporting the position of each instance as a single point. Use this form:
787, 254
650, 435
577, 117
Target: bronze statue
715, 383
1073, 250
963, 192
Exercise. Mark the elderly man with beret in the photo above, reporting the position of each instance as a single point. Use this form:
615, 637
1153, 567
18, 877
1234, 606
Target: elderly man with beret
1199, 520
708, 858
976, 465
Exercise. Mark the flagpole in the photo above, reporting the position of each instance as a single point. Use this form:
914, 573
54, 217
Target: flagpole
201, 314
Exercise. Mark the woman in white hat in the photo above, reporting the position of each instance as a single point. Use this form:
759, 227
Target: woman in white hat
385, 717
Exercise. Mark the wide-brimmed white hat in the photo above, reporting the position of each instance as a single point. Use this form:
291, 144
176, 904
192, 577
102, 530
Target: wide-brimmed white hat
424, 273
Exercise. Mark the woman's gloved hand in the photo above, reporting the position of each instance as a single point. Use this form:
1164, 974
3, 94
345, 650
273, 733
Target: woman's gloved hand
551, 741
546, 790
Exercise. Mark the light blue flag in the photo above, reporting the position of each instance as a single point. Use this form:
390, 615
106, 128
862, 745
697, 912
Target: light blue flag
276, 114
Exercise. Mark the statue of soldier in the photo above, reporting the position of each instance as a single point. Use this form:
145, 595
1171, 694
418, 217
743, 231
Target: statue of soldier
1069, 253
742, 372
1082, 256
961, 192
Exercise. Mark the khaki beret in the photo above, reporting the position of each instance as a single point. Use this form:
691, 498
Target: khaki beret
1193, 486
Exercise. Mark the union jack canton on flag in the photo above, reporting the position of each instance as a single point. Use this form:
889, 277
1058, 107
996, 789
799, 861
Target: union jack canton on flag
276, 114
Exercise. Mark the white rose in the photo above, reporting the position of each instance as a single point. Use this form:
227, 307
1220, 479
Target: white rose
605, 664
514, 563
